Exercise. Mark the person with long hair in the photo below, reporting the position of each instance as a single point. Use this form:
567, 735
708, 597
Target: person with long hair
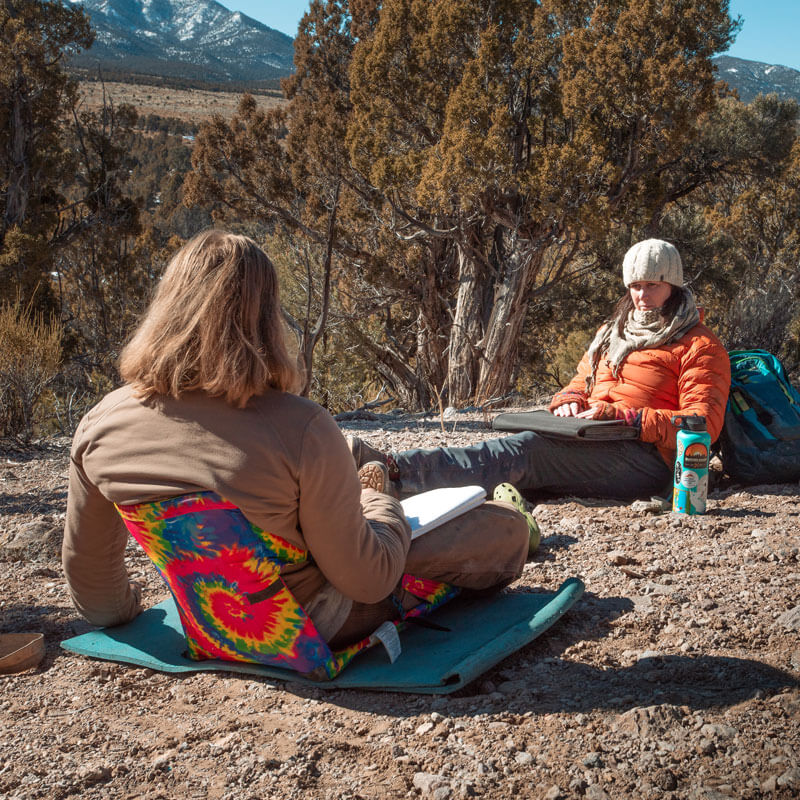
207, 406
651, 360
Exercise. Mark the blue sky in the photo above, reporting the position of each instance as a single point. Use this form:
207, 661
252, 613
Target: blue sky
771, 30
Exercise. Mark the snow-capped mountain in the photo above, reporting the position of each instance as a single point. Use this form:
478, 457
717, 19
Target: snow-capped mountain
203, 40
197, 39
750, 78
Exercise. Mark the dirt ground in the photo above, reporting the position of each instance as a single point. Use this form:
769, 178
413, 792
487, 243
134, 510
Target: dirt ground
677, 675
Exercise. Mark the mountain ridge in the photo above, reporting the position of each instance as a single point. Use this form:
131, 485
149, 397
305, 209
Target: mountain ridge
202, 40
751, 78
194, 39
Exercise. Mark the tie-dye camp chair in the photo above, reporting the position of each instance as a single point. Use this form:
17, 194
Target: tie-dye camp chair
225, 577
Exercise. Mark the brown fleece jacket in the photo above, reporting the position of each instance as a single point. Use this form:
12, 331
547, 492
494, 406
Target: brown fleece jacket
282, 460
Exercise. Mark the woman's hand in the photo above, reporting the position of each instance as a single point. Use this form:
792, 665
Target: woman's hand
567, 404
568, 410
599, 410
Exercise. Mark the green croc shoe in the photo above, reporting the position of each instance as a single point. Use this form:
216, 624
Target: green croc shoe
509, 494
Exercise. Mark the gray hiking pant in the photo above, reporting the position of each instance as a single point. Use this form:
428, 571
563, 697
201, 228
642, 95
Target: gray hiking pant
537, 464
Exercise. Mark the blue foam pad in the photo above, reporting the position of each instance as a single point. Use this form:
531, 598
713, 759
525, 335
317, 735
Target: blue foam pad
482, 632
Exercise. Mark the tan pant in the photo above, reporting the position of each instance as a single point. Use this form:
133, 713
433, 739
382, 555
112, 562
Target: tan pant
485, 548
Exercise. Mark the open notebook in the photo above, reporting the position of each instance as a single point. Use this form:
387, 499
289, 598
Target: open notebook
428, 510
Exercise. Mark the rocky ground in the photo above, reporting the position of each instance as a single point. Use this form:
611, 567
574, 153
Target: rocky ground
677, 675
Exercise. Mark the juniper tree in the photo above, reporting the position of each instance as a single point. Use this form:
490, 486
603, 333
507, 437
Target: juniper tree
479, 150
35, 94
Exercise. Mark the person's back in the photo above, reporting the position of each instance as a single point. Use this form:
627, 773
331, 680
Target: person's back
208, 407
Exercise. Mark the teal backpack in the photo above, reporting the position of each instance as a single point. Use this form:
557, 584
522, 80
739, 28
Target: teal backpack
760, 441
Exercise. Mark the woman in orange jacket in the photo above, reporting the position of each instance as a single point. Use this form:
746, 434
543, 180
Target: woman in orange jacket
652, 359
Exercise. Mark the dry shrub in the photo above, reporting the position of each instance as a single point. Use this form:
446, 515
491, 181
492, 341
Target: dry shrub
30, 353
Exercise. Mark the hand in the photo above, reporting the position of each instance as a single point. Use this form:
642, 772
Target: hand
632, 417
599, 410
568, 404
567, 410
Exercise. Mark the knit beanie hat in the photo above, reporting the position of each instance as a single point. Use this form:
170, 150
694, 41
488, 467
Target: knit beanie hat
652, 260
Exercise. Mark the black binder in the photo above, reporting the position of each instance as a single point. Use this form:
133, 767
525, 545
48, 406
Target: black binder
547, 424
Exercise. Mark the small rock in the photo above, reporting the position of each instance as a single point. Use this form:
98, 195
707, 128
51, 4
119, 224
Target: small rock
426, 783
648, 506
770, 784
791, 619
554, 793
618, 558
593, 760
718, 731
426, 727
524, 758
705, 747
595, 792
512, 687
790, 778
94, 774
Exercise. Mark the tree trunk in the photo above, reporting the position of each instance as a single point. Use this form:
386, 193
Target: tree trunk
519, 266
467, 330
433, 320
18, 184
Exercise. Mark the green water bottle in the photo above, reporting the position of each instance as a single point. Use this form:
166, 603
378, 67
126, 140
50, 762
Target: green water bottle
690, 486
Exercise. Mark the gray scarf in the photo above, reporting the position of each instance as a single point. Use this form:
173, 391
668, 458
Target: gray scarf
642, 330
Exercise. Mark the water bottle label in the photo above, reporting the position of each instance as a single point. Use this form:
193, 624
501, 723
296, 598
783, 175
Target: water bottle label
689, 479
696, 456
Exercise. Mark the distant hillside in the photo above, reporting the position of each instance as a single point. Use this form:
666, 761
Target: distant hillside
751, 78
183, 39
194, 42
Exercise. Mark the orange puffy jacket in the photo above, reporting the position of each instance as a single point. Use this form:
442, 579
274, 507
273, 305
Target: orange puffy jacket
689, 376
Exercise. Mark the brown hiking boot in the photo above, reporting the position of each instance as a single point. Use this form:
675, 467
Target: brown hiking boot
374, 475
362, 452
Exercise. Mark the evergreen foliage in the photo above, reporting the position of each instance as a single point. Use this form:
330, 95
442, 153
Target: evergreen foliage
34, 94
485, 154
447, 192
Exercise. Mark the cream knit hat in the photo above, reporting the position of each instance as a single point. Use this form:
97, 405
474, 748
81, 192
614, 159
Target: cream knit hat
652, 260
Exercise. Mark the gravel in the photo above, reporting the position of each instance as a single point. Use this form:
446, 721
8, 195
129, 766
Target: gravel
677, 675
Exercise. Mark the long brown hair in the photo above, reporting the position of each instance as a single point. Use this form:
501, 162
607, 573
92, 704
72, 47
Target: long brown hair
625, 305
214, 325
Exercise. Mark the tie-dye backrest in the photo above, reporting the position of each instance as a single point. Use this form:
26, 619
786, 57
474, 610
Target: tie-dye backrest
224, 574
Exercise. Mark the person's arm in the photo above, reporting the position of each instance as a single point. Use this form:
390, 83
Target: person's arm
359, 542
703, 385
93, 555
573, 398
